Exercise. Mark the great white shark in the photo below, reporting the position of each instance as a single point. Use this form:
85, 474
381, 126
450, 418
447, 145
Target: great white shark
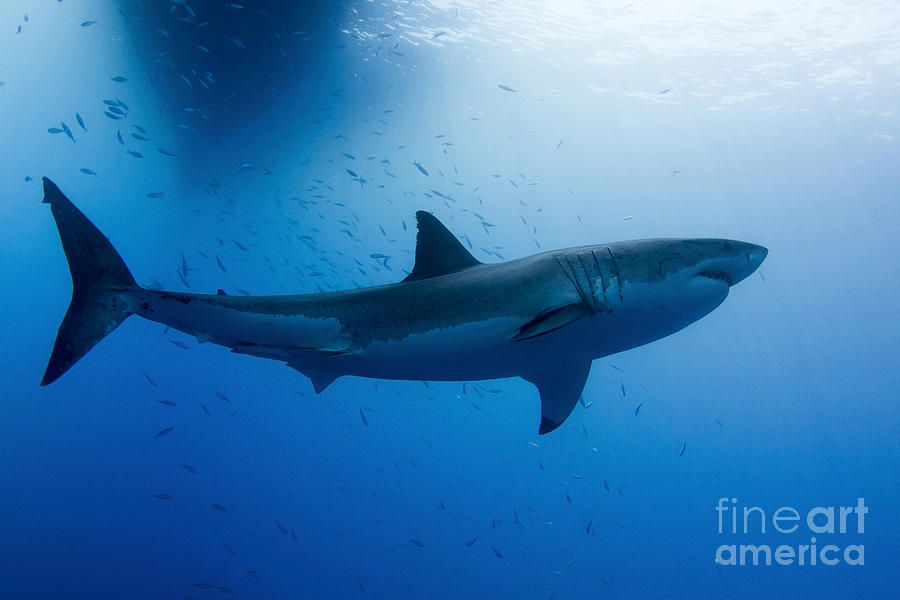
544, 318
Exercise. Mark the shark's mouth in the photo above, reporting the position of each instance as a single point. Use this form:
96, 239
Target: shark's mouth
719, 275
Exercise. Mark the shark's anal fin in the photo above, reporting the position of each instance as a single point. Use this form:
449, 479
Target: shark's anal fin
438, 252
560, 389
551, 320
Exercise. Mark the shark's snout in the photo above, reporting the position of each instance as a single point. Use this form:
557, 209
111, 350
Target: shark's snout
732, 262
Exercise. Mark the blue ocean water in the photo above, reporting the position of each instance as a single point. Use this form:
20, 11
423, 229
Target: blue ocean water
284, 142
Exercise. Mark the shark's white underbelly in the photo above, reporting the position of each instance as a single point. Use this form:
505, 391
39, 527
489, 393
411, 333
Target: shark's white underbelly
475, 350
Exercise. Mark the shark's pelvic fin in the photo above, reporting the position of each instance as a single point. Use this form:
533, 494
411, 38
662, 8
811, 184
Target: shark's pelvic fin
552, 319
99, 275
438, 252
560, 389
321, 381
319, 377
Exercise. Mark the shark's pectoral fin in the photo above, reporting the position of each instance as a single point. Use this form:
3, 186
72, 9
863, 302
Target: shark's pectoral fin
552, 319
560, 389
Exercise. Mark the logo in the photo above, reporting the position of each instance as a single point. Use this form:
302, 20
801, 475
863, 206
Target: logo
828, 528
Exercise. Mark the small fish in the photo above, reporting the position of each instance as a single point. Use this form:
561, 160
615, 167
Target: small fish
119, 137
229, 550
54, 130
164, 496
420, 168
135, 154
606, 485
281, 528
587, 529
222, 397
636, 410
505, 88
68, 132
178, 343
166, 152
471, 542
218, 507
206, 410
417, 542
224, 589
351, 172
164, 432
188, 468
88, 171
665, 91
362, 416
89, 23
155, 195
80, 121
683, 446
219, 263
167, 403
497, 552
119, 79
139, 138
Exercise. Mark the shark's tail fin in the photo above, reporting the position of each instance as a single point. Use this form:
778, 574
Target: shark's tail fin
99, 275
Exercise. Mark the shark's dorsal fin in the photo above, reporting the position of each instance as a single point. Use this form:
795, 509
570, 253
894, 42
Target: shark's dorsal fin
438, 252
560, 388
